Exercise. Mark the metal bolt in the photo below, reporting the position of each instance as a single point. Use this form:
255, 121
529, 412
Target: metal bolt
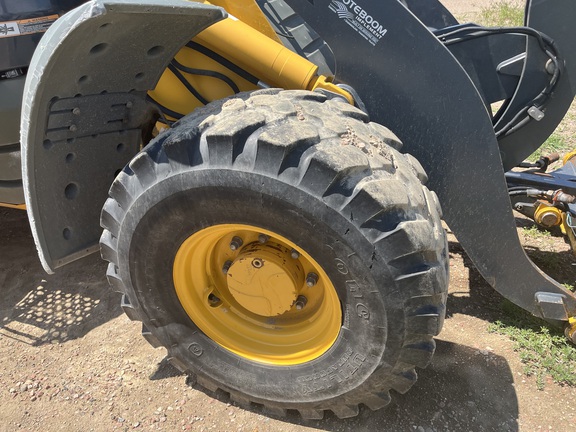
263, 238
550, 67
236, 243
226, 266
295, 254
76, 111
301, 302
549, 219
311, 279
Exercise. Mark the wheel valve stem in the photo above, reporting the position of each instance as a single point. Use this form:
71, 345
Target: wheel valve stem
301, 302
311, 279
226, 267
236, 243
295, 254
263, 238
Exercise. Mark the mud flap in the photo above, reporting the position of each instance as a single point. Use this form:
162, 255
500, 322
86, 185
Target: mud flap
84, 110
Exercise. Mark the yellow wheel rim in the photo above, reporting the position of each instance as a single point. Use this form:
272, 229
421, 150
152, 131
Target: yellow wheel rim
257, 294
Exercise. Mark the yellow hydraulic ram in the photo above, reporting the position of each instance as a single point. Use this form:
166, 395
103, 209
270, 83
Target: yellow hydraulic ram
15, 206
249, 47
259, 55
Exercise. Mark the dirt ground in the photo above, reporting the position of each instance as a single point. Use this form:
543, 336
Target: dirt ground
70, 360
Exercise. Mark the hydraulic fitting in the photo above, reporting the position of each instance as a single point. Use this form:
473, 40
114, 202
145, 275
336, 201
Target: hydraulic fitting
570, 329
547, 215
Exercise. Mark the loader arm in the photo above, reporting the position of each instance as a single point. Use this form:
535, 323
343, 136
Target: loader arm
392, 60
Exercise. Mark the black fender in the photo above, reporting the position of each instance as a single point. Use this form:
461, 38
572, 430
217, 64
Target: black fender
84, 111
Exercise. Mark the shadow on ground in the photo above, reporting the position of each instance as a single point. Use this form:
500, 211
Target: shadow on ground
462, 389
37, 308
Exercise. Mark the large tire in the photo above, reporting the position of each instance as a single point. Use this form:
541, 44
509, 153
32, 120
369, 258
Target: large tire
316, 174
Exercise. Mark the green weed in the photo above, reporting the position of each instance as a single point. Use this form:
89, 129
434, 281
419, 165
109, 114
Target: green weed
554, 143
535, 232
544, 350
504, 13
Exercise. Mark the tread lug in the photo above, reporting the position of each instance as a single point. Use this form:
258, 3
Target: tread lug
114, 279
378, 204
225, 140
108, 247
403, 381
111, 216
334, 169
345, 411
177, 363
206, 383
119, 191
240, 400
418, 353
275, 411
274, 149
150, 338
128, 309
377, 401
311, 414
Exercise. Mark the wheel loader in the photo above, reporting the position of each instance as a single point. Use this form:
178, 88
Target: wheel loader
253, 172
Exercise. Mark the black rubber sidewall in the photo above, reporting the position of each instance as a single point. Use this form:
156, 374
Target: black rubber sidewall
162, 218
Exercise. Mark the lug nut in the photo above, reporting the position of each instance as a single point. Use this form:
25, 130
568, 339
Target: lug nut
236, 243
301, 302
263, 238
311, 279
295, 254
226, 267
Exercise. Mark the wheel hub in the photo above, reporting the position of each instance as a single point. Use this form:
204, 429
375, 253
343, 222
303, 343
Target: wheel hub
256, 294
265, 279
